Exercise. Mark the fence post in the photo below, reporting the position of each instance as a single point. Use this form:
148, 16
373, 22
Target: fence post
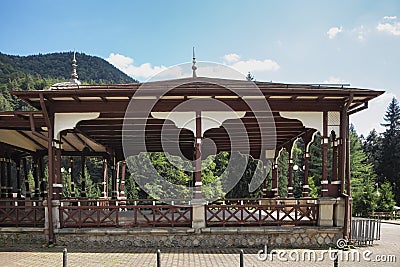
158, 258
241, 258
65, 257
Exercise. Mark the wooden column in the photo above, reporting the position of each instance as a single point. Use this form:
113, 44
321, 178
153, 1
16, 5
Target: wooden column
83, 176
58, 185
18, 172
35, 174
3, 177
342, 150
72, 177
198, 194
43, 186
275, 182
348, 176
334, 158
264, 188
123, 172
117, 187
26, 181
114, 193
9, 179
325, 142
290, 177
306, 168
104, 193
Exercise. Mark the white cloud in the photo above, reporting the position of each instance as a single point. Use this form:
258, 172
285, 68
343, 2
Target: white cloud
391, 25
126, 64
390, 17
146, 70
360, 32
332, 32
254, 65
334, 80
230, 58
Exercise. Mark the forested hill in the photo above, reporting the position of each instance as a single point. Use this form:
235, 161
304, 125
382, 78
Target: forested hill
37, 72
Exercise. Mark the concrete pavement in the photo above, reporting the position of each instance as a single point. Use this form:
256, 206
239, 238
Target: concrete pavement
389, 245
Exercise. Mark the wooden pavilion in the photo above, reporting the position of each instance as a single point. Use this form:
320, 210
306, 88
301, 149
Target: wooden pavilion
79, 121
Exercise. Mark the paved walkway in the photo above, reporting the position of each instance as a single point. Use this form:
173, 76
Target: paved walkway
37, 256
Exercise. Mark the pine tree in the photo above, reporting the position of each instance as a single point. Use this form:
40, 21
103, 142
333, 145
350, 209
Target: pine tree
362, 178
372, 147
249, 76
389, 163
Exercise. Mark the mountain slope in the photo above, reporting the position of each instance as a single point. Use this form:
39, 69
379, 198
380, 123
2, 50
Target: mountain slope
38, 72
58, 65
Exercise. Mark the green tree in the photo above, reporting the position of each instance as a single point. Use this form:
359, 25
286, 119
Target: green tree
385, 198
362, 178
372, 147
389, 163
249, 76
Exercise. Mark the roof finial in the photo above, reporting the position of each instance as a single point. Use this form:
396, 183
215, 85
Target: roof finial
194, 68
74, 75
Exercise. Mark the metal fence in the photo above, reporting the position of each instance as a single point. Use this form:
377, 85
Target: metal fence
365, 231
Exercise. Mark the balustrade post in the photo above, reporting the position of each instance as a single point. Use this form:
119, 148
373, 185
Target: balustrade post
55, 206
325, 213
339, 212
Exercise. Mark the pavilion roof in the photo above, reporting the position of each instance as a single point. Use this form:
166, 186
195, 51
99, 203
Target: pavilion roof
111, 101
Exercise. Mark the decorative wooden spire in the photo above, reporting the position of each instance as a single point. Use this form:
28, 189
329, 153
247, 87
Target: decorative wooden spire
74, 74
194, 68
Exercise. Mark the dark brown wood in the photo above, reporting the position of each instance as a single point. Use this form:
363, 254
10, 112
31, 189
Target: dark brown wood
105, 179
97, 213
3, 178
198, 194
83, 176
263, 212
26, 181
22, 213
32, 140
35, 173
123, 173
72, 176
18, 172
324, 154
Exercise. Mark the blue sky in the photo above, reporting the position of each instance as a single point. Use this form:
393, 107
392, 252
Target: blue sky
356, 42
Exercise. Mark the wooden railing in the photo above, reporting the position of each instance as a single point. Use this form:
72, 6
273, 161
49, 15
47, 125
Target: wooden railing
22, 213
126, 213
240, 212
